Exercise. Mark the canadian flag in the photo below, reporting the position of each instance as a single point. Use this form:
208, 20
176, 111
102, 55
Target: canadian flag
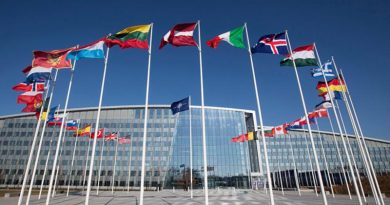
180, 35
279, 130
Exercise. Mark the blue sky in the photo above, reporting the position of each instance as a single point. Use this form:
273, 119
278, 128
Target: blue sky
354, 32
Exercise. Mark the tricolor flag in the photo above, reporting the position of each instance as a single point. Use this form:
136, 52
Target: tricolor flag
180, 106
83, 131
180, 35
29, 97
318, 113
251, 136
324, 105
71, 124
124, 140
92, 50
26, 87
334, 85
296, 124
327, 68
303, 56
52, 59
100, 134
271, 43
130, 37
234, 37
36, 74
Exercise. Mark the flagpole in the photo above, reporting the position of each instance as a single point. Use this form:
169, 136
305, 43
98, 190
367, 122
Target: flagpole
74, 152
295, 167
190, 116
311, 165
341, 133
261, 119
58, 166
26, 172
113, 173
96, 129
33, 173
100, 161
87, 158
46, 164
258, 148
350, 150
364, 149
325, 161
308, 125
280, 178
141, 200
129, 162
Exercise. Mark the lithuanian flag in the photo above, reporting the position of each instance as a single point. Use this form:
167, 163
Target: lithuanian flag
130, 37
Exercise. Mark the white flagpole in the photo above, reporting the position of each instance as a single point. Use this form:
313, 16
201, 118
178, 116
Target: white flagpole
308, 125
87, 158
26, 171
295, 167
350, 150
311, 165
129, 162
271, 194
100, 163
280, 178
60, 137
113, 173
58, 166
41, 139
206, 186
72, 163
341, 133
325, 160
190, 116
96, 129
141, 197
364, 149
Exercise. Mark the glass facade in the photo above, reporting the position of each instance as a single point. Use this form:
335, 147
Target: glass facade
167, 154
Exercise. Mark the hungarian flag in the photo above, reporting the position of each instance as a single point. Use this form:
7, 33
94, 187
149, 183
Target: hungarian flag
52, 59
130, 37
100, 134
124, 140
303, 56
334, 85
29, 97
180, 35
279, 130
318, 113
234, 37
25, 87
83, 131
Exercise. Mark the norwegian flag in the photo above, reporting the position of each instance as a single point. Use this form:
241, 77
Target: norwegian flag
25, 87
271, 43
180, 35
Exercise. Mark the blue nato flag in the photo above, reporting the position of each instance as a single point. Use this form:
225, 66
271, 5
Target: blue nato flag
180, 106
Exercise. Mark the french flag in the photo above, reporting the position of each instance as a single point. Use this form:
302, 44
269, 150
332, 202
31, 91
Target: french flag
38, 74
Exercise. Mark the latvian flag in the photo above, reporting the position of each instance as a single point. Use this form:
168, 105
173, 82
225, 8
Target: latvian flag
180, 35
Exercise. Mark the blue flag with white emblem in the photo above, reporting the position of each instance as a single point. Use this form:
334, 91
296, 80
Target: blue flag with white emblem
327, 68
180, 106
272, 43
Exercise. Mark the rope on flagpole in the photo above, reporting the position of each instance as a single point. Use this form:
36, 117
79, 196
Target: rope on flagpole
72, 163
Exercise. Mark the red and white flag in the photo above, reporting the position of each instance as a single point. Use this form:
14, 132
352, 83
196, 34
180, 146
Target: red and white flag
318, 113
29, 97
124, 140
29, 87
99, 135
111, 137
180, 35
279, 130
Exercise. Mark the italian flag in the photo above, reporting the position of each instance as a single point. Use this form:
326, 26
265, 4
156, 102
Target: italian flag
234, 37
303, 56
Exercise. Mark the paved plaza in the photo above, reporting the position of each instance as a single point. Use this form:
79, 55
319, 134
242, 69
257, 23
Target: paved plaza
179, 197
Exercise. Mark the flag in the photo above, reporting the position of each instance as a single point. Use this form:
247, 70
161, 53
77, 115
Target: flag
49, 115
34, 106
38, 74
100, 134
25, 87
29, 97
52, 59
240, 138
71, 125
303, 56
111, 137
234, 37
279, 130
271, 43
251, 136
83, 131
332, 94
296, 124
27, 69
324, 104
334, 85
268, 132
124, 140
180, 106
318, 113
92, 50
130, 37
180, 35
326, 67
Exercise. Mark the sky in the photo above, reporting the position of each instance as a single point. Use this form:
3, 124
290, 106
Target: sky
354, 32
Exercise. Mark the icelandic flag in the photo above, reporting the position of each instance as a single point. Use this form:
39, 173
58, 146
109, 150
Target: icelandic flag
38, 74
327, 68
272, 43
92, 50
180, 106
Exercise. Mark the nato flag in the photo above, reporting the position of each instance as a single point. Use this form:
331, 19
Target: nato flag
180, 106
